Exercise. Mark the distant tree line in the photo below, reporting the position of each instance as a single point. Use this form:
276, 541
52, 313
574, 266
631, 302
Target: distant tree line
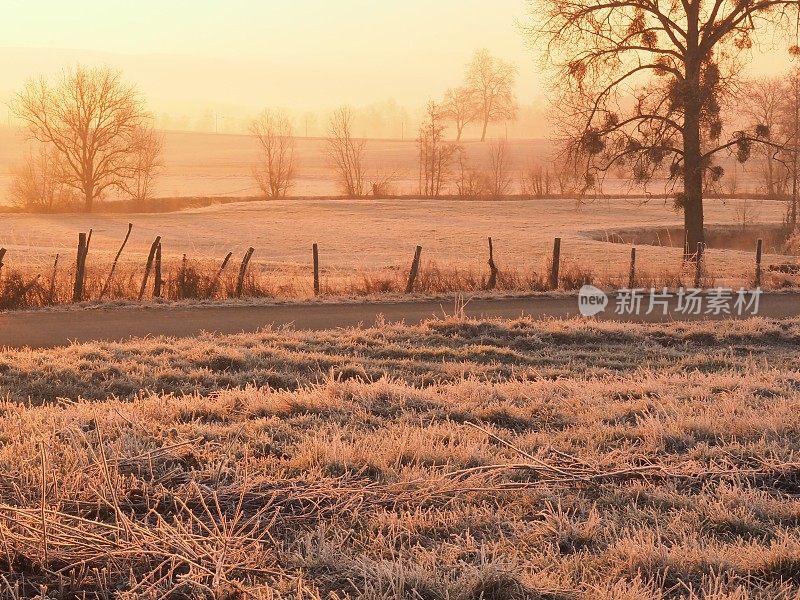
92, 136
487, 96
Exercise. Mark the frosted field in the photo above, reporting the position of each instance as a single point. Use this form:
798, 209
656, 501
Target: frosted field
381, 234
356, 235
365, 463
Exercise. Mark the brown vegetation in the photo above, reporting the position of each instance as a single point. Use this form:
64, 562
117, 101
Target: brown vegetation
456, 459
205, 280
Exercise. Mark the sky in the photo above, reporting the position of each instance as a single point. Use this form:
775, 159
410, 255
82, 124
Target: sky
307, 54
236, 57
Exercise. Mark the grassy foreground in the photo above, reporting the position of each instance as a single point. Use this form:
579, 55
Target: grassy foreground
452, 460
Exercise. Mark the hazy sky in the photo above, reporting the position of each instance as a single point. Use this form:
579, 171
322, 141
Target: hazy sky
304, 53
238, 56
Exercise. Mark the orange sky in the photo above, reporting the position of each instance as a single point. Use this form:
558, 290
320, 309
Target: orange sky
307, 54
238, 56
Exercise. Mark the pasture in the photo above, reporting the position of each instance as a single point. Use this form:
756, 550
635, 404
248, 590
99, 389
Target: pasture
376, 238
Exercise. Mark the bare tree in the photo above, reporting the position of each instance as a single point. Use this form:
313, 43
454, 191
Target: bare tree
470, 183
491, 80
460, 106
499, 175
435, 155
567, 176
346, 153
748, 213
37, 184
382, 182
535, 182
93, 119
145, 164
642, 82
789, 130
275, 172
763, 100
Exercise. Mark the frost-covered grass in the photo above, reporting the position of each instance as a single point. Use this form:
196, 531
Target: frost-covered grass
455, 459
368, 244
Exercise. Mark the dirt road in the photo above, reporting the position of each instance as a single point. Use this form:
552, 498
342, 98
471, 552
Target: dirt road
41, 329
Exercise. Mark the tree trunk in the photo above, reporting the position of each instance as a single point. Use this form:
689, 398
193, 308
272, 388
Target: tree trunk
693, 208
770, 175
88, 193
793, 208
693, 168
485, 125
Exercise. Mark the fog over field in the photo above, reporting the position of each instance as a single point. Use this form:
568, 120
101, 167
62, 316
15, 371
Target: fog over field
209, 164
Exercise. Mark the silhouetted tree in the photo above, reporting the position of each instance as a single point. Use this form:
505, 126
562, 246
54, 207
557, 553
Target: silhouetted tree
145, 163
93, 119
763, 100
491, 80
346, 152
460, 106
499, 173
37, 184
789, 130
275, 172
641, 83
435, 155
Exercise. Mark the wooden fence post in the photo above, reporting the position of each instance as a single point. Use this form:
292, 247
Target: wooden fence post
149, 266
114, 264
412, 276
243, 271
315, 256
698, 265
80, 264
86, 248
52, 291
759, 247
554, 267
632, 272
492, 283
180, 283
157, 273
215, 282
